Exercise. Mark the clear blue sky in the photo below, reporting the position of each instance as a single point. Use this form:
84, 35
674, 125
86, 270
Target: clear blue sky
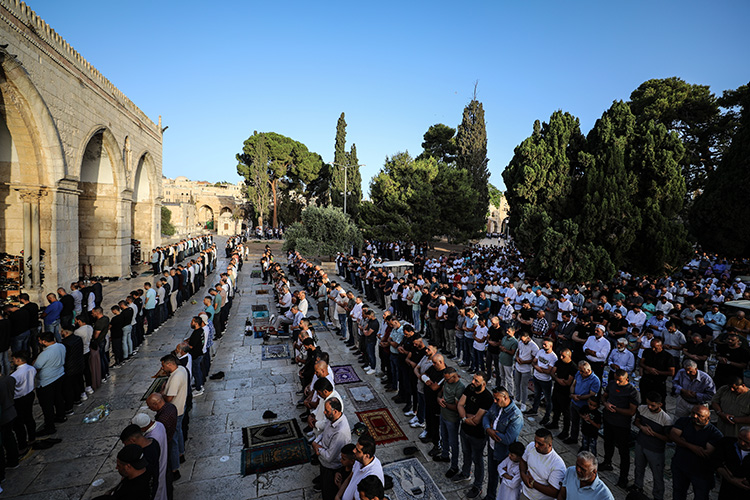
217, 71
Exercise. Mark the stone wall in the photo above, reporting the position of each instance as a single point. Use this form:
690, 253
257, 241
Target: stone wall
78, 159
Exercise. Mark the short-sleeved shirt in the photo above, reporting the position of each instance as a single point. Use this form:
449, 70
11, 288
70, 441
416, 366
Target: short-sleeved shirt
544, 360
547, 470
510, 343
584, 386
151, 299
686, 460
563, 371
177, 386
495, 335
475, 402
662, 361
621, 396
452, 393
731, 404
595, 491
659, 422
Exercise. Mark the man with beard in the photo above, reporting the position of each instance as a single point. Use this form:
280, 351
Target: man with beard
502, 423
656, 365
654, 425
328, 445
696, 439
620, 401
582, 482
732, 457
472, 406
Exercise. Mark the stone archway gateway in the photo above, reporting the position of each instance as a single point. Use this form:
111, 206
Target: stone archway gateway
206, 217
72, 193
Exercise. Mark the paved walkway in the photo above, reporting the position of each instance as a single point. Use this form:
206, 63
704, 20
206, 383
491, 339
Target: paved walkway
212, 470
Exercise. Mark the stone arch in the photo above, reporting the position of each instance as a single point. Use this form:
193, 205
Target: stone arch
104, 236
31, 163
226, 224
142, 219
206, 216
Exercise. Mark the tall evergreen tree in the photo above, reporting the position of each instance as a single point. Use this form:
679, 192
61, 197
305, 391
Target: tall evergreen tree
354, 182
339, 160
471, 147
721, 215
439, 143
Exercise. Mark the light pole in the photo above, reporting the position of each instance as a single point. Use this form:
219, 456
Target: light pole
346, 169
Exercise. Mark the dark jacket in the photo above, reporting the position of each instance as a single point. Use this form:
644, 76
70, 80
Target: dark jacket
7, 391
73, 354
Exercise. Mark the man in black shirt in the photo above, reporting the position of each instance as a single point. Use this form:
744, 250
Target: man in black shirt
495, 335
116, 326
656, 364
370, 335
620, 401
472, 406
731, 361
68, 303
132, 434
99, 338
697, 350
196, 341
137, 481
563, 374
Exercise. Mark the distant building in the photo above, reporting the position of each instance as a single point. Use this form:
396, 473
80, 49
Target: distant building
197, 205
497, 222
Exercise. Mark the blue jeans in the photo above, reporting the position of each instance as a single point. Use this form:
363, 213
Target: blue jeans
342, 322
417, 320
127, 341
176, 446
492, 475
449, 440
5, 362
54, 327
468, 349
20, 343
473, 451
371, 353
543, 387
477, 359
197, 372
393, 358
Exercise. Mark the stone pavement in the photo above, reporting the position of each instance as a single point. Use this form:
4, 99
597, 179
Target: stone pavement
250, 386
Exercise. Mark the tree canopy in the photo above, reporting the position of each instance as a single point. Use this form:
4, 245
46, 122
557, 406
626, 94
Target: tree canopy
324, 231
289, 164
471, 156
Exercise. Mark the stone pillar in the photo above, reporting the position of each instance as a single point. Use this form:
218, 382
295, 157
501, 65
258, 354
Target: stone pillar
32, 238
26, 243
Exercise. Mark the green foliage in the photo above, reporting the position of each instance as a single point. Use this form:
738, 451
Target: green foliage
693, 112
583, 207
167, 229
258, 182
289, 164
418, 200
323, 231
344, 173
721, 215
471, 155
439, 143
496, 196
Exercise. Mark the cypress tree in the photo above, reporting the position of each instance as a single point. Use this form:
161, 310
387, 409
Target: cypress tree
354, 182
471, 146
339, 159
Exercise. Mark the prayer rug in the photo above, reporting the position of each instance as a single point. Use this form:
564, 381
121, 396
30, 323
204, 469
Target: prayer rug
256, 274
261, 292
383, 428
259, 307
411, 480
363, 397
318, 325
344, 374
265, 434
278, 351
265, 458
156, 386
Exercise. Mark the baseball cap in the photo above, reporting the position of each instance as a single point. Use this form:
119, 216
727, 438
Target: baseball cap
132, 454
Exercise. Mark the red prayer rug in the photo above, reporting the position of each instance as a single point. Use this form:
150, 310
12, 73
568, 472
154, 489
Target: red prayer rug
381, 425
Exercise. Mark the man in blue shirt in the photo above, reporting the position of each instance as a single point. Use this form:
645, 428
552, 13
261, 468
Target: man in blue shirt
51, 315
582, 481
585, 386
50, 368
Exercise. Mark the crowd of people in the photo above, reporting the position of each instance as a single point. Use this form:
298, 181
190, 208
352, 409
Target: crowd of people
635, 362
61, 356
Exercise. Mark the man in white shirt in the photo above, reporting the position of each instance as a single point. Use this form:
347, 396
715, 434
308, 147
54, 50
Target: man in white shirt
23, 399
635, 319
542, 469
542, 364
367, 464
596, 348
327, 446
523, 360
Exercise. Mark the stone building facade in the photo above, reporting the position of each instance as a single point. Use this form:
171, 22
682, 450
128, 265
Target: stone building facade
497, 222
217, 206
80, 164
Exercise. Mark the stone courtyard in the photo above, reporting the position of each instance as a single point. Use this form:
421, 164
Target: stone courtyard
83, 465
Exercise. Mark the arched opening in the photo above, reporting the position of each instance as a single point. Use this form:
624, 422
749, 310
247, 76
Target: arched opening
24, 232
142, 209
206, 217
100, 240
226, 223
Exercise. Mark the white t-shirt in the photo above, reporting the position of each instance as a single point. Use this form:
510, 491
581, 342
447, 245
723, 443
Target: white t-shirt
480, 332
546, 469
375, 468
544, 360
525, 352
